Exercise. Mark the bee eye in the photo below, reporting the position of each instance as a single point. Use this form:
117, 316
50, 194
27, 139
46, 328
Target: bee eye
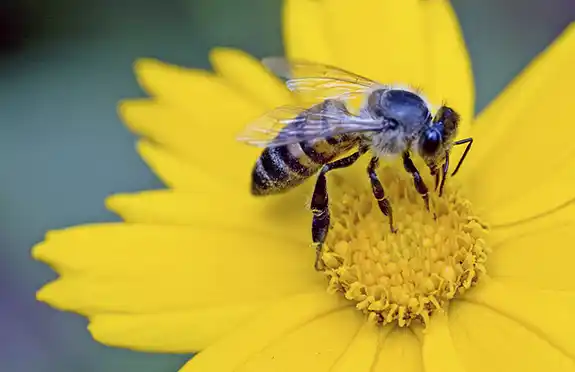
430, 142
392, 123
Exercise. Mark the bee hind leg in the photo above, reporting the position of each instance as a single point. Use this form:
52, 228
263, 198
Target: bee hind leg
379, 193
320, 204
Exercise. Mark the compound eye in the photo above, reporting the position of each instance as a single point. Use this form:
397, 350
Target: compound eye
430, 142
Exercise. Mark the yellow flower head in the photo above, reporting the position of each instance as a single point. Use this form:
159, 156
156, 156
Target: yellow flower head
481, 282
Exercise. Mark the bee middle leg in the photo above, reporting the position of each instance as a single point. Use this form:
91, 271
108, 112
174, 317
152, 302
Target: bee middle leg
320, 203
379, 193
417, 180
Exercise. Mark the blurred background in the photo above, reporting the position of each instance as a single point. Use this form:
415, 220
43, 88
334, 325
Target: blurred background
63, 66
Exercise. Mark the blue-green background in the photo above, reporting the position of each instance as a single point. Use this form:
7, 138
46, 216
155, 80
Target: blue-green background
62, 148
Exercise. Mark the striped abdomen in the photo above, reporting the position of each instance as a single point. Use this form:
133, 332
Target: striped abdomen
281, 168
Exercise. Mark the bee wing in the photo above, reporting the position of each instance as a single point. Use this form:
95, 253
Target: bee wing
289, 124
314, 90
316, 82
296, 68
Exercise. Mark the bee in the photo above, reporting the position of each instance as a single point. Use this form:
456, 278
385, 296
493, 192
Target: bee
301, 141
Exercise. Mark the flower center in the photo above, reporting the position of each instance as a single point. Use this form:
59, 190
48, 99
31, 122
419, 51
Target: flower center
406, 276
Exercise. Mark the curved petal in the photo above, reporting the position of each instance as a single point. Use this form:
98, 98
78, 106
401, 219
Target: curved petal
541, 199
209, 144
527, 155
183, 87
549, 314
539, 254
250, 215
171, 332
176, 172
382, 39
304, 32
399, 350
313, 347
450, 76
281, 319
439, 354
418, 43
360, 354
485, 340
149, 268
500, 120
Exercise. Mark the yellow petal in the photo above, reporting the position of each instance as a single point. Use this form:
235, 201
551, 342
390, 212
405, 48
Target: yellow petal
538, 255
524, 151
381, 39
439, 354
399, 351
488, 341
549, 314
170, 332
205, 139
539, 199
313, 347
175, 171
199, 115
207, 144
501, 118
273, 323
147, 268
360, 354
449, 77
249, 75
250, 215
192, 89
304, 31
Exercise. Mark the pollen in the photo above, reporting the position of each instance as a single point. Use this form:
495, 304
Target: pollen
402, 277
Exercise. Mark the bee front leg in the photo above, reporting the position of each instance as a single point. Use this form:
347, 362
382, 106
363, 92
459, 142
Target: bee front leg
444, 171
417, 180
379, 193
435, 173
320, 204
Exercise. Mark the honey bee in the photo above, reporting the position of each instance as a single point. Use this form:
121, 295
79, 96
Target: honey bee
300, 141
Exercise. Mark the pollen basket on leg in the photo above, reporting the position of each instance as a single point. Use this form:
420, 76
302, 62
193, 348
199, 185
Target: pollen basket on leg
434, 257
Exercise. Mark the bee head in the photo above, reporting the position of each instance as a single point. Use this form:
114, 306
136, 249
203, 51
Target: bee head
430, 142
447, 121
442, 130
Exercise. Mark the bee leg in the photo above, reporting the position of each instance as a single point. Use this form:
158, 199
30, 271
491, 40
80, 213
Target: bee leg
435, 173
417, 180
379, 193
444, 171
319, 204
468, 142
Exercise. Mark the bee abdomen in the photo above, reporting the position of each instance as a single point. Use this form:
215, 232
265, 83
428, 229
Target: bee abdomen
281, 168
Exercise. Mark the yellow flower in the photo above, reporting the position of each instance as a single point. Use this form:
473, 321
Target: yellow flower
204, 266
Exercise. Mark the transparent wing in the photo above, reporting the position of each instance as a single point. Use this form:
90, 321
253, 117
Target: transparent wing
314, 90
292, 69
315, 82
291, 124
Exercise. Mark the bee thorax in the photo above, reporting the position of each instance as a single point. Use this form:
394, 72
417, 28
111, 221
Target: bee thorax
391, 142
